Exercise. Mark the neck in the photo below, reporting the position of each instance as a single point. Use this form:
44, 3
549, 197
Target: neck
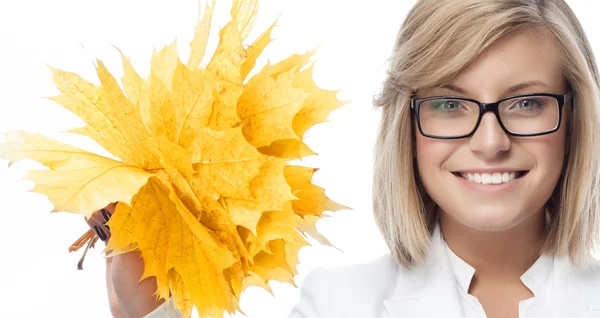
503, 254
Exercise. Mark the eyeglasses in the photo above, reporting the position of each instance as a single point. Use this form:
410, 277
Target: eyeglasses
447, 117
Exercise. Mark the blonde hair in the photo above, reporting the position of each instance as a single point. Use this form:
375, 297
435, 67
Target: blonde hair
427, 53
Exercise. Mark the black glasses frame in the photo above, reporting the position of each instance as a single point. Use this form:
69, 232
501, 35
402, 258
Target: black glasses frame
415, 106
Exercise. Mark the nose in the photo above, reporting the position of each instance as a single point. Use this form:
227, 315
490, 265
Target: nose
489, 140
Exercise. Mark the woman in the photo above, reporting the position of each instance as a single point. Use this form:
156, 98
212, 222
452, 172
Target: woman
486, 174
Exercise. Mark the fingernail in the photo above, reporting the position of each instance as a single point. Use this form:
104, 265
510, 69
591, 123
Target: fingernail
107, 227
100, 233
105, 215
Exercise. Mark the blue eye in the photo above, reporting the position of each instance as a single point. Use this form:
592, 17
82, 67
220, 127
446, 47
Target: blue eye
446, 104
528, 103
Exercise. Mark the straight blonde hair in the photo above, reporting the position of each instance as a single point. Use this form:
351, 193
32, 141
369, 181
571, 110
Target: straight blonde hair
438, 39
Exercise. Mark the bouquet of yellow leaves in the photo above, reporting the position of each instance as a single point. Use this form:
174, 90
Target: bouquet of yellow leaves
203, 187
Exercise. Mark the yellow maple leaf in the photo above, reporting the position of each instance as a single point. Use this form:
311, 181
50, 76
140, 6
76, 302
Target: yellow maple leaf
202, 180
311, 198
154, 222
268, 191
78, 180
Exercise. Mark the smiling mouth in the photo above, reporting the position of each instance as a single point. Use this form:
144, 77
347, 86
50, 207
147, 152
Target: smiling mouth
491, 178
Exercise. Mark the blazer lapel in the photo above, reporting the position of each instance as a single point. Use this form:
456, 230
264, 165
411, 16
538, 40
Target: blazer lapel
428, 290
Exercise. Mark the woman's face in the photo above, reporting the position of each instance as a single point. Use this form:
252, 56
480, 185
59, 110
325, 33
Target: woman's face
522, 57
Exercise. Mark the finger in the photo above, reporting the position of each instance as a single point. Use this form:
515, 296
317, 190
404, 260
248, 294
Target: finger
93, 219
111, 207
106, 215
107, 232
100, 232
97, 218
97, 223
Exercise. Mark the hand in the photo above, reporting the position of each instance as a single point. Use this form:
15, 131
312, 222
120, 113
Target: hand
98, 219
127, 297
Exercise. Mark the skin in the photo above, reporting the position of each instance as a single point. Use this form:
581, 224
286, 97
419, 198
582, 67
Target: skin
127, 297
499, 235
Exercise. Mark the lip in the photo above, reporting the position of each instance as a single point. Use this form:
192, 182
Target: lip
490, 170
490, 189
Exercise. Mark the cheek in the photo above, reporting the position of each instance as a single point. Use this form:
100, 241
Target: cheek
549, 153
432, 154
550, 149
425, 147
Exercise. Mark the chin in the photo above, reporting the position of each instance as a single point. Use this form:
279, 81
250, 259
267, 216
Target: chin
491, 219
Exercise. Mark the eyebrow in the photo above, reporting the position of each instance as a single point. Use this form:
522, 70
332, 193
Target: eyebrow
510, 90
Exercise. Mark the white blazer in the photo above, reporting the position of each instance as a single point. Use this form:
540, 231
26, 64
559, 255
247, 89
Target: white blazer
383, 289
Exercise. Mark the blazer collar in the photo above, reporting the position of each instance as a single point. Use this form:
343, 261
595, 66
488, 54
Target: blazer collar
430, 290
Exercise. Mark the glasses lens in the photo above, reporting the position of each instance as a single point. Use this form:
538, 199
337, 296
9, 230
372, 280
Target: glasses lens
448, 117
529, 115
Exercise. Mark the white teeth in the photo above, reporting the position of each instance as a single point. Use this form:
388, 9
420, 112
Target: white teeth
497, 178
490, 178
486, 178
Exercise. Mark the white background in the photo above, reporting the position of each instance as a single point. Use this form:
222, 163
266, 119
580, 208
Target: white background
38, 277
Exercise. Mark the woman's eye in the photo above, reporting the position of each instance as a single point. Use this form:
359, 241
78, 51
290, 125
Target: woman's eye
527, 103
447, 104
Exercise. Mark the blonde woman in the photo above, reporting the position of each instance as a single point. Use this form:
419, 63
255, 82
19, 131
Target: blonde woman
486, 185
486, 175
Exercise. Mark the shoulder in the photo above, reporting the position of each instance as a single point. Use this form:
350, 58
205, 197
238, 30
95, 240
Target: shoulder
583, 282
356, 288
365, 276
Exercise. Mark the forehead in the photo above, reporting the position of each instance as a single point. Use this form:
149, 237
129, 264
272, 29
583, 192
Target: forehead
523, 56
